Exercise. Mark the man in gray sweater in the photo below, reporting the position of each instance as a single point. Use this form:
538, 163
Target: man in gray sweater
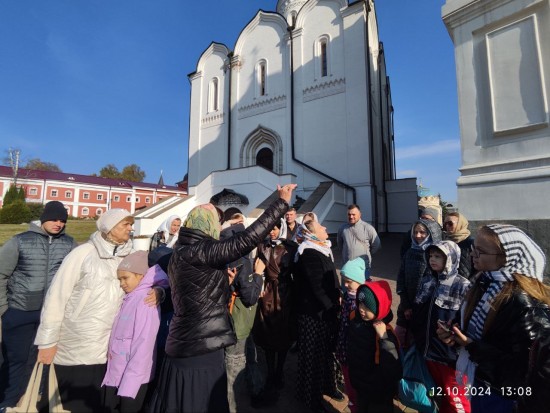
28, 262
357, 238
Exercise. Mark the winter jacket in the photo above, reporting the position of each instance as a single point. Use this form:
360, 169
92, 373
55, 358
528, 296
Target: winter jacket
28, 262
439, 297
82, 303
132, 343
317, 287
502, 354
413, 267
374, 363
200, 287
358, 240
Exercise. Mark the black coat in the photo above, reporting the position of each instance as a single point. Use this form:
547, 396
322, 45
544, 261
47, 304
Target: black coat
200, 287
378, 382
502, 354
317, 286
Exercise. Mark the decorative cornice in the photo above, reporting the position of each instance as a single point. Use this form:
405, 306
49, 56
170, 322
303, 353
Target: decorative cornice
212, 120
285, 6
332, 87
262, 106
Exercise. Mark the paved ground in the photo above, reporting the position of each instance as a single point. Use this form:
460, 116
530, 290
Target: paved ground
385, 266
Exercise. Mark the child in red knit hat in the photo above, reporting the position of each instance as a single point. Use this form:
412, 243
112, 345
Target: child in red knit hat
373, 357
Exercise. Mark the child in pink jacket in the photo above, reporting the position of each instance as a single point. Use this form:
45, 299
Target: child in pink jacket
131, 354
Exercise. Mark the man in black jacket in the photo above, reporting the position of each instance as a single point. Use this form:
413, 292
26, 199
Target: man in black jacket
28, 262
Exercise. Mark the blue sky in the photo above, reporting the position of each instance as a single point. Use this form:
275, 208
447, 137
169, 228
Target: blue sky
84, 83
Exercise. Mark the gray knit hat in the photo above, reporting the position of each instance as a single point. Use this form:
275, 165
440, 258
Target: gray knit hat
135, 262
108, 220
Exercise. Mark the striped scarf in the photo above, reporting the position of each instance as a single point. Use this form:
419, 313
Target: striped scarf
523, 256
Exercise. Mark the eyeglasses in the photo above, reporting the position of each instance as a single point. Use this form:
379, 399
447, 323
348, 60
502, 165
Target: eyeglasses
477, 253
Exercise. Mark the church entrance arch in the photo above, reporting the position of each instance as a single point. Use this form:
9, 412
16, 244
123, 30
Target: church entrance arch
263, 147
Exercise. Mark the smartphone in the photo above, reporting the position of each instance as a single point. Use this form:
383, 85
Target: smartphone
238, 267
443, 325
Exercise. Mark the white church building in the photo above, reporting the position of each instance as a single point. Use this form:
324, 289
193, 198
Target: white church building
502, 53
302, 97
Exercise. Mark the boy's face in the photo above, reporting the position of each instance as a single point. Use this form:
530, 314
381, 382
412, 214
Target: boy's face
128, 280
420, 233
437, 260
365, 313
350, 285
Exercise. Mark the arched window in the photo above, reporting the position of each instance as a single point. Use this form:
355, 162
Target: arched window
261, 78
264, 158
213, 95
322, 57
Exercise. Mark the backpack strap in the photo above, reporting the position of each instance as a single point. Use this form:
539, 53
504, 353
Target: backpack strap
234, 296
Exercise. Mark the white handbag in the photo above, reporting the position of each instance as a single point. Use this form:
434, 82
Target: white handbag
27, 403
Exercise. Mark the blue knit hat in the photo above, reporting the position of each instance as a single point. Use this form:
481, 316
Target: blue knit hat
356, 270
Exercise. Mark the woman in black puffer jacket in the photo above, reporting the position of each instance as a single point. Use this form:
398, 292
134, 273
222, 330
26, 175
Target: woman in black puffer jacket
193, 376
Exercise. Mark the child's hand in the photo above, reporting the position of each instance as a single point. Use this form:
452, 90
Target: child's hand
380, 328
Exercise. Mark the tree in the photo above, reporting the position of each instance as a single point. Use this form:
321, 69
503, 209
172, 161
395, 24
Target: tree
15, 213
132, 173
14, 194
109, 171
129, 173
40, 165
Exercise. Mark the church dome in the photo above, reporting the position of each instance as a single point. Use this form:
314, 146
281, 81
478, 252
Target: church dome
289, 9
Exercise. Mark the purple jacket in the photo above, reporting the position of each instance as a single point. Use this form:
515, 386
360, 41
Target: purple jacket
131, 355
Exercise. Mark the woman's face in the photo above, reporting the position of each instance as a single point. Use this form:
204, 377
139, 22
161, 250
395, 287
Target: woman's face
487, 255
451, 224
175, 226
274, 233
121, 231
420, 233
320, 231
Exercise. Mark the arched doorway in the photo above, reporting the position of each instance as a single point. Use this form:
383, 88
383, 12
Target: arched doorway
264, 158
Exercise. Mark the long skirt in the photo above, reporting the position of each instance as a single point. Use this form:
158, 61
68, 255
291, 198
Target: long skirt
318, 370
192, 384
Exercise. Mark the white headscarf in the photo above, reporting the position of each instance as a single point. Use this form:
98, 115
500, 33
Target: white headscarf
170, 239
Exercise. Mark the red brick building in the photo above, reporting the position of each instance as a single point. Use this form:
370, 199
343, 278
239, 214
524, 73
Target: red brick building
83, 195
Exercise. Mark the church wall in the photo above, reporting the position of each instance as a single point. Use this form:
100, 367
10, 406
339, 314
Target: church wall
503, 77
208, 120
264, 40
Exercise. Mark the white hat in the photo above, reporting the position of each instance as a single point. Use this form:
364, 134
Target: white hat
109, 219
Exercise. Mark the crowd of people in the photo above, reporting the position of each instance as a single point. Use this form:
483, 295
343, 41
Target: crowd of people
178, 328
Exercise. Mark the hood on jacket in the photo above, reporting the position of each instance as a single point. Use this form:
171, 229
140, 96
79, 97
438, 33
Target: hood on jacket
36, 226
452, 251
154, 277
107, 250
434, 233
378, 293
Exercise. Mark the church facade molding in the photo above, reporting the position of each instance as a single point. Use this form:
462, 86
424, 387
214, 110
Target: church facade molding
329, 88
262, 106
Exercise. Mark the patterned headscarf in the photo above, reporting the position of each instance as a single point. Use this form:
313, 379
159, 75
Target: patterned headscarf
205, 219
462, 232
523, 256
309, 240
